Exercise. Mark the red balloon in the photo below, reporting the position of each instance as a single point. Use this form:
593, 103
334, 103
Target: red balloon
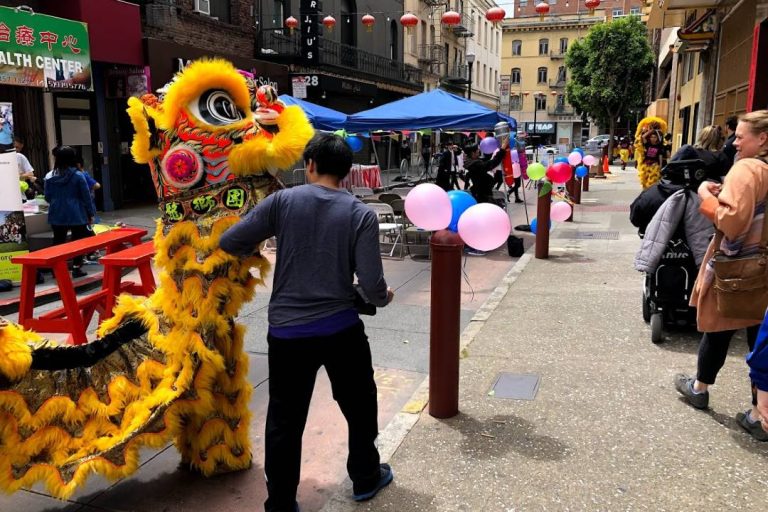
560, 172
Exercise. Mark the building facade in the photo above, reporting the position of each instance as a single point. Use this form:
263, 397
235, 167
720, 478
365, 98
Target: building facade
486, 46
713, 62
533, 63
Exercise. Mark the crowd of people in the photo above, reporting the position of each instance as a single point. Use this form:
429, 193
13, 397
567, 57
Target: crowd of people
12, 230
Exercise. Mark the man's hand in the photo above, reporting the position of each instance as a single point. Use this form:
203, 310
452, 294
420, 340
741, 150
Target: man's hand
390, 295
762, 407
505, 144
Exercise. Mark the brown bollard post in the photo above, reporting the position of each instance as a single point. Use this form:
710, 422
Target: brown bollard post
577, 198
543, 206
444, 325
585, 183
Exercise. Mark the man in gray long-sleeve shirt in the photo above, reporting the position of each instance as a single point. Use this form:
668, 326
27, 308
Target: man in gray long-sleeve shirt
324, 237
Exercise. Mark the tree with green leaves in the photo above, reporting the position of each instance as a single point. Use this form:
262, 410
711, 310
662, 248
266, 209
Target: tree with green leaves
608, 70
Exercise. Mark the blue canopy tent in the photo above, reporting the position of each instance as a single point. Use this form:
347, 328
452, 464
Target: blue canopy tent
430, 110
322, 118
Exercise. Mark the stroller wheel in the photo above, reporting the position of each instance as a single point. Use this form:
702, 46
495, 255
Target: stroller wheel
656, 325
646, 309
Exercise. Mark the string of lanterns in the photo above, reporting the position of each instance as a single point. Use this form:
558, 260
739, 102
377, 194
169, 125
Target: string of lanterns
409, 20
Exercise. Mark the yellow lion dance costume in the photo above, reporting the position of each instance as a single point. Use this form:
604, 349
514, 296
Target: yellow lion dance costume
170, 367
648, 174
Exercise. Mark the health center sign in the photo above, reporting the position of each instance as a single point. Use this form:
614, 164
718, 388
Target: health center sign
44, 51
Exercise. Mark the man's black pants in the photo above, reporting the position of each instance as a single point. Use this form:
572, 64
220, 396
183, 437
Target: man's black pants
293, 366
713, 350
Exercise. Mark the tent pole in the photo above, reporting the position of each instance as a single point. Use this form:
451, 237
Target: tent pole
376, 156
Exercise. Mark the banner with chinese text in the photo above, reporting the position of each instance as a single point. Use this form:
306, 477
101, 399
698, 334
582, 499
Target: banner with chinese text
13, 232
37, 50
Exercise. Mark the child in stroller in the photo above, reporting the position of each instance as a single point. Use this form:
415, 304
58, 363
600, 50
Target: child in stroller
675, 237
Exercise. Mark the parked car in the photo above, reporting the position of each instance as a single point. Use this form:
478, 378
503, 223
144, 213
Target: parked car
596, 143
543, 150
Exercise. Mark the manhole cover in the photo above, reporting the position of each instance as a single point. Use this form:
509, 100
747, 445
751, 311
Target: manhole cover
589, 235
517, 386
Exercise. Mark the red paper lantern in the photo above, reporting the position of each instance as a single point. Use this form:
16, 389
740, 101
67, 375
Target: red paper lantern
542, 8
292, 23
495, 15
368, 21
329, 22
409, 20
451, 18
592, 5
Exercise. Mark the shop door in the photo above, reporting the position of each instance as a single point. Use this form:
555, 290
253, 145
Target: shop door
75, 127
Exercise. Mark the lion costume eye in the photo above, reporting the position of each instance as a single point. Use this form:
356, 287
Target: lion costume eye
216, 107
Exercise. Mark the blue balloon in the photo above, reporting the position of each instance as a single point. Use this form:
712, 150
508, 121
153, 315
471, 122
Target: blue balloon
460, 201
355, 143
561, 159
581, 171
579, 151
534, 225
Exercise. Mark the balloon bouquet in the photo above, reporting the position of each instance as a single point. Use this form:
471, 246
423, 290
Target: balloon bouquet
557, 175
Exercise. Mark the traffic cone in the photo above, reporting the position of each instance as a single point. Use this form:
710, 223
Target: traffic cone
606, 170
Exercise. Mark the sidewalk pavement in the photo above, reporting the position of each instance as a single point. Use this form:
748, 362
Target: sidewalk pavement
606, 430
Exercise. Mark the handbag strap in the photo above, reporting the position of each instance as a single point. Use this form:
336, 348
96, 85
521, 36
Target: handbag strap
763, 237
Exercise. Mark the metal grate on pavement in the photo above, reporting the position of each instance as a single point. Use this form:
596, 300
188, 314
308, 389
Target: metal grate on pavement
515, 386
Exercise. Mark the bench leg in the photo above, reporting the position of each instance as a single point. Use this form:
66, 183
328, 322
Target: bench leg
68, 297
111, 283
147, 278
27, 300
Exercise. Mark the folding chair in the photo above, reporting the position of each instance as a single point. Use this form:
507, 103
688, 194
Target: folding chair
500, 198
389, 197
389, 228
362, 191
401, 191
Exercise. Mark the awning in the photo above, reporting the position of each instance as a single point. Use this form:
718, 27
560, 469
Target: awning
671, 13
322, 118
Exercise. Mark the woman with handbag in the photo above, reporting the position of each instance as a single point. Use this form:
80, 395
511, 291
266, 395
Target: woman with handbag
731, 290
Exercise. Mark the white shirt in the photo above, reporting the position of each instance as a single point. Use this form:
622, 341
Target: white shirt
24, 165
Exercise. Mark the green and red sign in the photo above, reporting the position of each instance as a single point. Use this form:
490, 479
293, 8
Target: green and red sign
43, 51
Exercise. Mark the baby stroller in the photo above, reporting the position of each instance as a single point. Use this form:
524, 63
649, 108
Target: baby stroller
667, 290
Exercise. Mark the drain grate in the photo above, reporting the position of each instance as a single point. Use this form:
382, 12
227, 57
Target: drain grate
588, 235
516, 386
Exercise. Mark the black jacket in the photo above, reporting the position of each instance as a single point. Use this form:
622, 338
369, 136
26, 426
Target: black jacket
729, 150
482, 182
644, 207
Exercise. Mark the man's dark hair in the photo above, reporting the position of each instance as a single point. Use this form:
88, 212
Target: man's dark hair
80, 161
731, 123
668, 136
66, 157
18, 139
470, 149
331, 154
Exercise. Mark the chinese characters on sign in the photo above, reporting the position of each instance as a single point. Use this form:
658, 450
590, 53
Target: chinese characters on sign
43, 51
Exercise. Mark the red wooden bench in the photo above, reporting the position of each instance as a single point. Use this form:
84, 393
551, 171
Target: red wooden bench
75, 315
139, 256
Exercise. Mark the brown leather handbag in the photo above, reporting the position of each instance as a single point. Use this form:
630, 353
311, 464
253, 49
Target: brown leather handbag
741, 282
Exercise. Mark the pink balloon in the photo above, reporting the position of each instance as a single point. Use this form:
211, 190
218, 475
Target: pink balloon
560, 211
516, 172
589, 160
484, 226
574, 158
428, 207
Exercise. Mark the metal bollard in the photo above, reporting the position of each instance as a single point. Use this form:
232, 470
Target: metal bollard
585, 183
444, 325
543, 207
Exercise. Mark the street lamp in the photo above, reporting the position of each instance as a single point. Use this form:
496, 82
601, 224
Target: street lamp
536, 95
470, 62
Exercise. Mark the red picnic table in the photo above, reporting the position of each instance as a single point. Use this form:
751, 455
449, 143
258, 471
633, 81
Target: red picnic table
75, 315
